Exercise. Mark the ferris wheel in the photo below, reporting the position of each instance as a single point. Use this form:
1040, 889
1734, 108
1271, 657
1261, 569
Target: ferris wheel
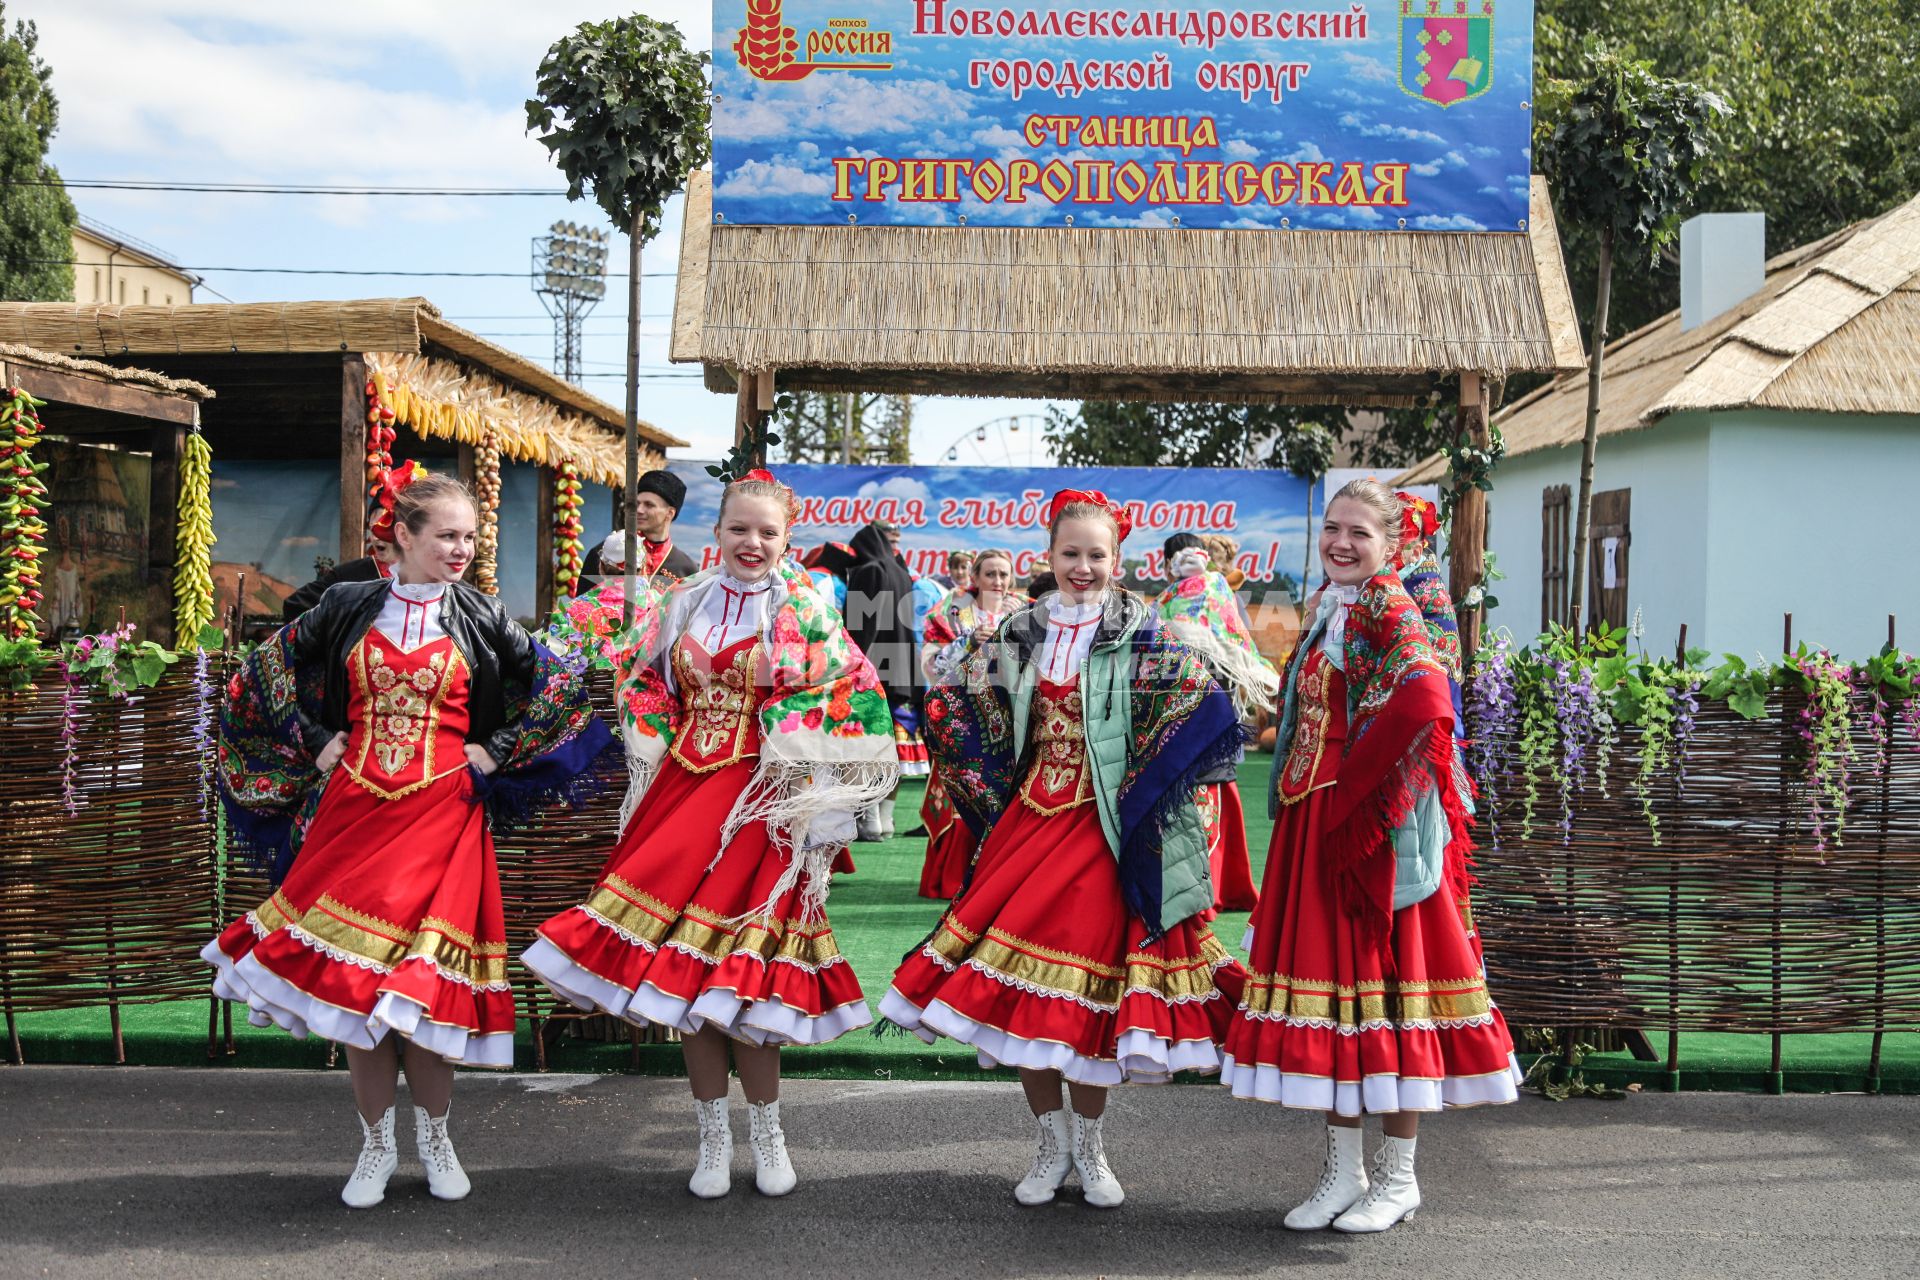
1017, 440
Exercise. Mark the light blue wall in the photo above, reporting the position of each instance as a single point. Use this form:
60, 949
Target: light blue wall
1813, 514
1739, 518
1666, 468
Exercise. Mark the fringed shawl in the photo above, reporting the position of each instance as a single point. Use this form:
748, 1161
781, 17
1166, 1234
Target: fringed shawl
271, 783
1202, 613
826, 734
1181, 731
1399, 748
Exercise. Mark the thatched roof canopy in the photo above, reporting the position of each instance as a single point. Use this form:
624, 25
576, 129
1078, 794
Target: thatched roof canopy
1315, 317
1833, 330
199, 333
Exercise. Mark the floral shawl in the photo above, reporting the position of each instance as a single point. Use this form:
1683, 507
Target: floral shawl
271, 784
1399, 749
953, 621
1202, 613
1183, 732
590, 622
826, 733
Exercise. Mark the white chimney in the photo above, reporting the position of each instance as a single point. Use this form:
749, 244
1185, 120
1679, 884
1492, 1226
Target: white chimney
1723, 262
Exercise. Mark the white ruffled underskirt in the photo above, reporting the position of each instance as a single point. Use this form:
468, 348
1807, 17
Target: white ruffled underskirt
272, 1001
1140, 1057
756, 1022
1375, 1095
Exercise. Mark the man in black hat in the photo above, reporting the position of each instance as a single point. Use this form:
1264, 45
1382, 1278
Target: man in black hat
662, 494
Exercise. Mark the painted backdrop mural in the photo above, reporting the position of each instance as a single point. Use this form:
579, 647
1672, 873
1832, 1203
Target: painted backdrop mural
1354, 114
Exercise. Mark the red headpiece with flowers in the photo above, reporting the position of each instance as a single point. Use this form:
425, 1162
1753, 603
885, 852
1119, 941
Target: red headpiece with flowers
1066, 497
391, 486
1419, 519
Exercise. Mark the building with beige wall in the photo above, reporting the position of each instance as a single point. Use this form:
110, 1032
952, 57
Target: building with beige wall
114, 269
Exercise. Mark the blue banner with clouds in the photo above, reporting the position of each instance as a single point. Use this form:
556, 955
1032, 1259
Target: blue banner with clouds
1341, 114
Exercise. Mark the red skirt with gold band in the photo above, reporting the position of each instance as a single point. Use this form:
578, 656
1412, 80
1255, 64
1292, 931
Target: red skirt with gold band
661, 938
389, 921
1227, 859
1039, 965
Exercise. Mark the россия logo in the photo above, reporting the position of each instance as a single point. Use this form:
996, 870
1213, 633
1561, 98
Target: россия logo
766, 46
1446, 49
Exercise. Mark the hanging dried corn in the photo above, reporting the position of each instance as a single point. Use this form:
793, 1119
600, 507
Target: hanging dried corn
568, 556
23, 534
193, 542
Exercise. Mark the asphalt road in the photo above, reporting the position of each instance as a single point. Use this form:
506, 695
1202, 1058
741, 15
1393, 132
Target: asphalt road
134, 1172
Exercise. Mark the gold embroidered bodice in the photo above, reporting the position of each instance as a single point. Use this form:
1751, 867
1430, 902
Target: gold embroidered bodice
407, 712
1058, 779
1319, 731
719, 696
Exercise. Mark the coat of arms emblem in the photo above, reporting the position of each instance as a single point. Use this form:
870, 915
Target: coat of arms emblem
1446, 49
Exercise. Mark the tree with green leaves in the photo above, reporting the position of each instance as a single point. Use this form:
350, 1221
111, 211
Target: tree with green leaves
36, 217
1626, 157
1140, 433
622, 108
820, 426
1824, 128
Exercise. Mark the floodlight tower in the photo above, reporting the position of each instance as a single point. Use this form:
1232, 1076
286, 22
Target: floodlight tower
569, 275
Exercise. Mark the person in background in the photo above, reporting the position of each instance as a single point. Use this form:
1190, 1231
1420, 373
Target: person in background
958, 619
662, 494
378, 562
1221, 550
1198, 609
959, 571
879, 614
828, 564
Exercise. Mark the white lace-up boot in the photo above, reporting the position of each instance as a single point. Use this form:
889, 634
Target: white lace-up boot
1097, 1183
368, 1185
867, 824
772, 1172
1343, 1181
445, 1178
713, 1175
1394, 1195
1052, 1159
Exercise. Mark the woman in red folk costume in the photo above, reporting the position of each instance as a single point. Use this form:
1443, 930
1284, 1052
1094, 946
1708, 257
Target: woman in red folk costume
755, 732
1072, 739
360, 744
1367, 992
956, 621
1200, 610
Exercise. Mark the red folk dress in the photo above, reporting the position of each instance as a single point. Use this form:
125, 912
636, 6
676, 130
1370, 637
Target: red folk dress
661, 938
1329, 1020
1038, 964
1228, 861
390, 919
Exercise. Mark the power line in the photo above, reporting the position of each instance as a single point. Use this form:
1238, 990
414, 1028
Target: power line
340, 271
280, 189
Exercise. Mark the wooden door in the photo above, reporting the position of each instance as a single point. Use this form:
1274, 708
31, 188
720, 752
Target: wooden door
1607, 557
1556, 523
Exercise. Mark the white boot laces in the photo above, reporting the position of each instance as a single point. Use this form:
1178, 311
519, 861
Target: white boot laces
372, 1153
1380, 1181
1329, 1172
1093, 1153
712, 1145
1045, 1153
439, 1151
769, 1143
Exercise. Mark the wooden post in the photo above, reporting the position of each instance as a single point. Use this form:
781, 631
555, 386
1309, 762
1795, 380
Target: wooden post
165, 441
1466, 541
353, 457
1776, 1081
468, 467
1880, 907
543, 543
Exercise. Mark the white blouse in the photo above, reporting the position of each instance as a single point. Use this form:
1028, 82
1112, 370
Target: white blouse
1070, 631
731, 611
410, 617
1334, 607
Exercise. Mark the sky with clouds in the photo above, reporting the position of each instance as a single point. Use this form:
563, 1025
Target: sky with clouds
418, 92
776, 141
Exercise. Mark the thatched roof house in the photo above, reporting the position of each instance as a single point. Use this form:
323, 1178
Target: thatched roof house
298, 380
1349, 317
1744, 436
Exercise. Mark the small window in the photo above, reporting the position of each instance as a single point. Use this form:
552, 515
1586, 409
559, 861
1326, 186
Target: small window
169, 299
146, 296
123, 292
96, 284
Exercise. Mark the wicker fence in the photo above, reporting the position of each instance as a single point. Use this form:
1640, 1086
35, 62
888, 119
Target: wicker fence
1735, 920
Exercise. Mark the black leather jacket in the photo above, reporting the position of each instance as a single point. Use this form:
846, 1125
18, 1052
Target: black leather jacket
497, 651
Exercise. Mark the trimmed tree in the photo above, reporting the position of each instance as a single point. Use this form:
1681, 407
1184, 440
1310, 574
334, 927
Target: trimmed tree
622, 107
36, 217
1626, 154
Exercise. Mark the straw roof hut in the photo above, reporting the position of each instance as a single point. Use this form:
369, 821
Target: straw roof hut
1742, 435
295, 380
1309, 317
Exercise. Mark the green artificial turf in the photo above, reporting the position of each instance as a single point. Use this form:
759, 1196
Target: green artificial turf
877, 918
